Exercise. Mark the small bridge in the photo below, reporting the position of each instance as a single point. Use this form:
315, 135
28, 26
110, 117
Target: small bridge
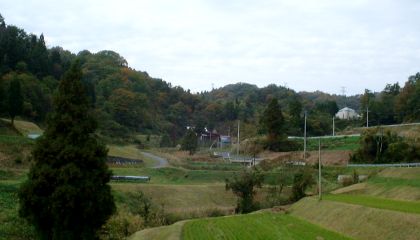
237, 159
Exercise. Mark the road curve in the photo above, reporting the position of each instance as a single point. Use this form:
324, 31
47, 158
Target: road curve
161, 162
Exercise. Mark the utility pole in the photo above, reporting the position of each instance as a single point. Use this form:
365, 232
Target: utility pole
304, 141
319, 170
333, 127
237, 150
343, 91
367, 116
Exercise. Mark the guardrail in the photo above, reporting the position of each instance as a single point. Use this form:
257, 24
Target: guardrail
386, 165
132, 178
123, 161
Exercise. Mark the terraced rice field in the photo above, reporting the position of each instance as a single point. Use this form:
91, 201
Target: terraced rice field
375, 202
256, 226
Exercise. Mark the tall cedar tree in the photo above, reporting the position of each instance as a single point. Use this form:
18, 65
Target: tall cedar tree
15, 100
66, 195
272, 121
189, 142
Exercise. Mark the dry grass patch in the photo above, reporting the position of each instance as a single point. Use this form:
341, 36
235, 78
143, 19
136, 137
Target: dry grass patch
184, 198
25, 127
405, 173
358, 221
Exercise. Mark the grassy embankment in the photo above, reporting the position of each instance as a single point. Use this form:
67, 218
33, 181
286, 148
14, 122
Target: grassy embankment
264, 225
256, 226
387, 206
392, 183
331, 143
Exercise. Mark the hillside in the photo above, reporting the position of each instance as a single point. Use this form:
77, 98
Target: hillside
378, 210
264, 225
127, 101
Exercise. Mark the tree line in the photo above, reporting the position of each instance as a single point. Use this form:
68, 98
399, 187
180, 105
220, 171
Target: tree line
127, 100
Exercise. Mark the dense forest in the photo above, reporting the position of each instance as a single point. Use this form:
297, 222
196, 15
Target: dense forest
127, 101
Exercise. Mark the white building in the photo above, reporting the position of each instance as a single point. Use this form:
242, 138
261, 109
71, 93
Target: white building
347, 113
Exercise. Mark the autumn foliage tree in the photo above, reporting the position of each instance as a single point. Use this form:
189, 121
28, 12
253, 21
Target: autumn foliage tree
66, 195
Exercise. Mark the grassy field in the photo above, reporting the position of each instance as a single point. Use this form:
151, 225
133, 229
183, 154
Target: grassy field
375, 202
25, 127
263, 226
358, 221
130, 151
333, 143
172, 232
191, 199
393, 183
404, 173
11, 226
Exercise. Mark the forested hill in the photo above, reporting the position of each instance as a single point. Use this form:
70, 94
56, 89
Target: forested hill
128, 101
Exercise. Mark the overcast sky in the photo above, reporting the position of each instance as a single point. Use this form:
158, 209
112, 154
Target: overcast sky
307, 45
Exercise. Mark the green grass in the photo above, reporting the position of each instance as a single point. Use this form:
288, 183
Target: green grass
394, 182
213, 166
405, 173
336, 143
11, 225
375, 202
15, 139
256, 226
172, 232
153, 142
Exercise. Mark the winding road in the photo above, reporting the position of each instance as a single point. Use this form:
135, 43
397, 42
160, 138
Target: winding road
161, 162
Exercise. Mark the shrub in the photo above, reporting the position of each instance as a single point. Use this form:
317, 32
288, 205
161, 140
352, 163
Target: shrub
121, 225
242, 186
301, 181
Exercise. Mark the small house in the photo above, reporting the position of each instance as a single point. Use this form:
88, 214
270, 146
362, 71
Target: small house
347, 113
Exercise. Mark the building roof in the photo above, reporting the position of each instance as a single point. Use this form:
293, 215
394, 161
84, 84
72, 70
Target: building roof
346, 109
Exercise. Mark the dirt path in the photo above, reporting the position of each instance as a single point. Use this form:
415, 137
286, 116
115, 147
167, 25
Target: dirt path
161, 162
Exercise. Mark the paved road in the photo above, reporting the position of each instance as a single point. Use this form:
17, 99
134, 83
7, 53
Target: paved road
161, 162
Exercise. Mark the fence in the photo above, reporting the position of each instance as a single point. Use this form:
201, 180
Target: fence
386, 165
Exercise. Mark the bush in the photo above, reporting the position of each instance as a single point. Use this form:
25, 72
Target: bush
242, 186
301, 181
379, 146
121, 225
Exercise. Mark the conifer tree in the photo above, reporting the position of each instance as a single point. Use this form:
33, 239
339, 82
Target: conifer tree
66, 195
273, 121
189, 142
15, 100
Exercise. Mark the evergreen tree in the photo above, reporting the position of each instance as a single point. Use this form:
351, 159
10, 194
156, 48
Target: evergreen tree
272, 122
189, 142
66, 195
2, 96
15, 100
165, 141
